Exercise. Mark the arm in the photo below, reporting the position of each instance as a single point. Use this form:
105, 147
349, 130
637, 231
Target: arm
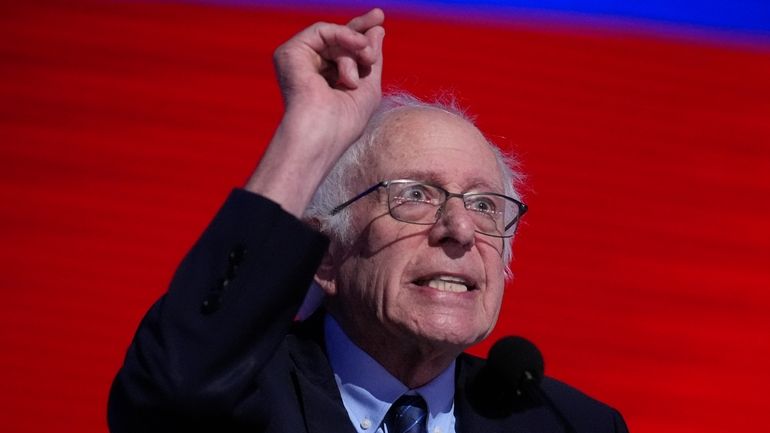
199, 349
330, 80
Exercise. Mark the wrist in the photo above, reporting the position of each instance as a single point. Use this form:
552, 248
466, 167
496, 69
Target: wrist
291, 169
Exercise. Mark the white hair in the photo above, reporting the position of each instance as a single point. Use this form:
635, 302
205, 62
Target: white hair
338, 185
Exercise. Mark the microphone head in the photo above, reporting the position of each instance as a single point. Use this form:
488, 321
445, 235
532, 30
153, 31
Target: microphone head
517, 362
509, 381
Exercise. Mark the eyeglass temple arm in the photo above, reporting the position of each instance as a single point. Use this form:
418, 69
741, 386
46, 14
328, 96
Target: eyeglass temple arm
522, 210
337, 209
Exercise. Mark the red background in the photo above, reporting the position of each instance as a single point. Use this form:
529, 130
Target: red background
641, 272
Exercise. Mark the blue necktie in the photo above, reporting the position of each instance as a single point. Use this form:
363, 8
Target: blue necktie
407, 415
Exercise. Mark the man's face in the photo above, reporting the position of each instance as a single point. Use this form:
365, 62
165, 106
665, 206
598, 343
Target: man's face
428, 285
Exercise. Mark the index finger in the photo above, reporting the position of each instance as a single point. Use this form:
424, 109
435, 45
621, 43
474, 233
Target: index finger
362, 23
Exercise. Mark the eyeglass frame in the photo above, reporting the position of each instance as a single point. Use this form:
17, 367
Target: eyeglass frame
447, 195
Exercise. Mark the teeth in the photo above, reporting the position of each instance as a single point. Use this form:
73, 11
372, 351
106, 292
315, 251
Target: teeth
448, 284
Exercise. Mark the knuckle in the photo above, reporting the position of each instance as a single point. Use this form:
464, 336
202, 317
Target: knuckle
281, 54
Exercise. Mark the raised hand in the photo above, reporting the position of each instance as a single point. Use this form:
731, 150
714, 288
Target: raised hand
334, 71
330, 79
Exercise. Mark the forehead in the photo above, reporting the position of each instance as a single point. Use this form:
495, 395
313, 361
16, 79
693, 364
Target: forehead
436, 146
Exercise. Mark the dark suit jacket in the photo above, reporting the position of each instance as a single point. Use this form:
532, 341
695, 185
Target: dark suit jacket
220, 351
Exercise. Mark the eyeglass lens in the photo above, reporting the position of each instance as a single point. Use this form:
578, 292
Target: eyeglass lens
419, 203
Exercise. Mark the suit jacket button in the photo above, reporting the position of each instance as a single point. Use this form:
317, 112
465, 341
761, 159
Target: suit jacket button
211, 304
236, 254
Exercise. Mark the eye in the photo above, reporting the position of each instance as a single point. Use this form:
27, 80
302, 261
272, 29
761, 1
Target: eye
482, 204
415, 193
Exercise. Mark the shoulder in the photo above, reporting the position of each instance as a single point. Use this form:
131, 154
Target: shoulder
580, 408
582, 411
561, 392
469, 365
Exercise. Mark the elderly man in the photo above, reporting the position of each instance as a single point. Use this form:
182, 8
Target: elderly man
418, 209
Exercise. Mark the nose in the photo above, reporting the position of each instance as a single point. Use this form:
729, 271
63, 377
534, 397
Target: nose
453, 225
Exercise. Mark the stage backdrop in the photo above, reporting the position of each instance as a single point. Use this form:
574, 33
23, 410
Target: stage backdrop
642, 270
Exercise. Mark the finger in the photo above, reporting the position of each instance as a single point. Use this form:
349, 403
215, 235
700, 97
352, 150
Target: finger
322, 37
362, 23
370, 59
347, 70
372, 53
346, 51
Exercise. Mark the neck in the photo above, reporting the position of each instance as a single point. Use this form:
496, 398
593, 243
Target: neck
410, 359
413, 368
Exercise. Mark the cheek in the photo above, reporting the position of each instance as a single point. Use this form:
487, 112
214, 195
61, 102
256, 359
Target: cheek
390, 246
371, 276
489, 245
495, 301
495, 275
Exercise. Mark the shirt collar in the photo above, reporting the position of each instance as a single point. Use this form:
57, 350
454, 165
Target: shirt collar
368, 390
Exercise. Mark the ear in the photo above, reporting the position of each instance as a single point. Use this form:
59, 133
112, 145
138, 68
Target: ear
325, 275
326, 272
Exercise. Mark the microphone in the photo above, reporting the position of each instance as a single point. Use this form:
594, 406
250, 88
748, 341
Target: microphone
510, 381
518, 362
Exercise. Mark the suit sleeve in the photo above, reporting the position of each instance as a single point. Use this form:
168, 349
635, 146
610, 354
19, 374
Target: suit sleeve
620, 423
231, 302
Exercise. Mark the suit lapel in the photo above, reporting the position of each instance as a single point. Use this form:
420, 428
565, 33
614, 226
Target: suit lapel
314, 380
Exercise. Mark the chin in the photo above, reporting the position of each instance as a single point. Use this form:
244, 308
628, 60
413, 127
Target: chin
455, 336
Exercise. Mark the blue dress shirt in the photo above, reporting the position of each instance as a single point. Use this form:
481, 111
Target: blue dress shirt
368, 390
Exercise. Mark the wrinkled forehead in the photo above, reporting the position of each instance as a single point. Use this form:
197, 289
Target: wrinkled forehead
434, 146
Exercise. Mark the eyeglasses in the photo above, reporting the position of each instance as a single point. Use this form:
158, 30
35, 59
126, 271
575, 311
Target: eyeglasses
415, 202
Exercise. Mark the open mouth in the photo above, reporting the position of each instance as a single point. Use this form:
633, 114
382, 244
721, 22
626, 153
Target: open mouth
446, 283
